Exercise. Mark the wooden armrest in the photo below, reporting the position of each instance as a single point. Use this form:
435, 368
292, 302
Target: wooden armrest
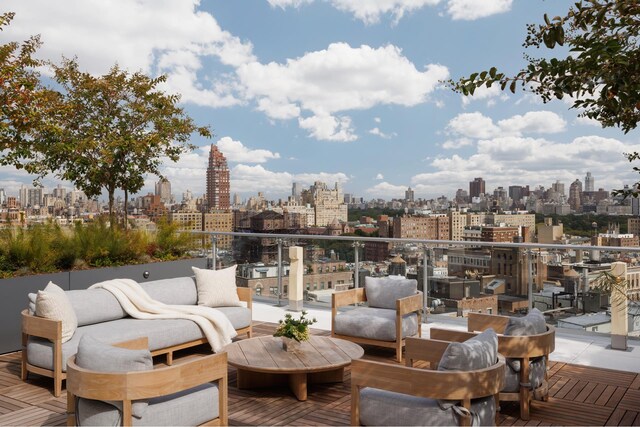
246, 295
455, 385
41, 327
480, 322
424, 349
409, 304
450, 335
136, 385
348, 297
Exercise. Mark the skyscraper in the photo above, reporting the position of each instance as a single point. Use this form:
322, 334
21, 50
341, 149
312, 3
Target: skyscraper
589, 182
408, 195
575, 195
163, 189
218, 194
476, 187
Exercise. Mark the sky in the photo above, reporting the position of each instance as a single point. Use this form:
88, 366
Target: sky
337, 90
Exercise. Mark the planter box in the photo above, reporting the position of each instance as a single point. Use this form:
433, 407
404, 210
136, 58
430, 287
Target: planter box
13, 291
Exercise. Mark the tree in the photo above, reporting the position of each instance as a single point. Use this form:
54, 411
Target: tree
27, 109
601, 72
115, 129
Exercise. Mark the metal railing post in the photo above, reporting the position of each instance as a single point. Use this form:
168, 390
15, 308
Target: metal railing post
214, 249
356, 264
530, 281
279, 242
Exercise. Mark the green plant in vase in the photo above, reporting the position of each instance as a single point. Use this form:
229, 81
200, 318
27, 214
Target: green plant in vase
294, 331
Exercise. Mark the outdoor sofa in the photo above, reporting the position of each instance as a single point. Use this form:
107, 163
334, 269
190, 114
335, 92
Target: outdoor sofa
100, 314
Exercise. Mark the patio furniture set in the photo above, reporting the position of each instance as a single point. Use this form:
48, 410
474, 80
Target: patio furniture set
107, 360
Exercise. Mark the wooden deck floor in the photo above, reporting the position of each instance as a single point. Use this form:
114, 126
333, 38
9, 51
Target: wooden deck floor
579, 396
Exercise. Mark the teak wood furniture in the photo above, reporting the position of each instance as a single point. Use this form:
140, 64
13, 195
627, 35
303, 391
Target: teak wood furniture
403, 307
524, 348
262, 362
137, 385
428, 383
52, 330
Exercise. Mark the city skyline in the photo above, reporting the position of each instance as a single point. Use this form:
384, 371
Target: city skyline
359, 104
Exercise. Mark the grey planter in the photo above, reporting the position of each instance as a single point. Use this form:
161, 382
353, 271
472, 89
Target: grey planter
14, 291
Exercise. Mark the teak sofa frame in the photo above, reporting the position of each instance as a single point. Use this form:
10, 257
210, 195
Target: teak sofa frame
450, 385
128, 386
404, 306
52, 330
524, 348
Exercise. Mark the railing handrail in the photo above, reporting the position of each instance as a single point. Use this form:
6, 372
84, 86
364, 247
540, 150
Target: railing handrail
426, 242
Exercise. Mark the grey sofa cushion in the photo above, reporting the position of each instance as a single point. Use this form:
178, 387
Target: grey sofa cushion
161, 333
531, 324
386, 408
537, 371
240, 317
177, 291
374, 323
188, 408
98, 356
479, 352
382, 292
95, 306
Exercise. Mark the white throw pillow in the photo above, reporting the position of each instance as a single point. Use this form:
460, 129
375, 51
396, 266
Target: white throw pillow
53, 303
217, 288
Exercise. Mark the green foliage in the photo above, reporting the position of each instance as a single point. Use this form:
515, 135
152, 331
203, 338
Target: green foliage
297, 329
355, 214
170, 242
582, 225
601, 72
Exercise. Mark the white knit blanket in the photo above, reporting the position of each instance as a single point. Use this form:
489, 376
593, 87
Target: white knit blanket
137, 303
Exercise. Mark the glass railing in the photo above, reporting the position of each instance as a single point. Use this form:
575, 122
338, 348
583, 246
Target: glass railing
456, 277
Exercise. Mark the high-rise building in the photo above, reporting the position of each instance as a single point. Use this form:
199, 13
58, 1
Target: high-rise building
558, 187
589, 182
476, 187
575, 195
295, 191
218, 193
328, 203
22, 195
408, 195
59, 192
163, 189
35, 196
3, 196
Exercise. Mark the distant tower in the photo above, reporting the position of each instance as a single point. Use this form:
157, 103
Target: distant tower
163, 189
575, 195
476, 187
558, 187
589, 182
295, 191
408, 195
218, 193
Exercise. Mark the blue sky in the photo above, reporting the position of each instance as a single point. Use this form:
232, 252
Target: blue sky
301, 90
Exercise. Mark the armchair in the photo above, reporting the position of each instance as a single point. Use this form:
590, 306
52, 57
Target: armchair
525, 342
384, 394
181, 394
393, 313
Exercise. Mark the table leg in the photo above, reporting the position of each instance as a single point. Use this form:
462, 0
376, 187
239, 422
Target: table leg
298, 385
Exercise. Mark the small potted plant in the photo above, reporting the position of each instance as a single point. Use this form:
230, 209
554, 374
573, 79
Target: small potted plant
294, 331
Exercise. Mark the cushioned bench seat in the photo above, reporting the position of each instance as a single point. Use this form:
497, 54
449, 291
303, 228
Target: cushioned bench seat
185, 408
374, 323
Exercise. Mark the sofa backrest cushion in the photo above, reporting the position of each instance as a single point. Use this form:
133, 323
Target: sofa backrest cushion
95, 306
98, 356
382, 292
531, 324
479, 352
217, 288
176, 291
53, 303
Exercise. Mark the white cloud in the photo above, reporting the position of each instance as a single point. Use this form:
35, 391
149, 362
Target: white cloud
385, 189
473, 125
477, 125
483, 93
377, 119
469, 10
287, 3
376, 131
169, 37
235, 151
379, 177
452, 144
587, 122
251, 179
337, 79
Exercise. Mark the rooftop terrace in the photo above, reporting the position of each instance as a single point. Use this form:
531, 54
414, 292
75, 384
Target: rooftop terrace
584, 389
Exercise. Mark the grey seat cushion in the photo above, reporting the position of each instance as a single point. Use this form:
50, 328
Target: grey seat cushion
177, 291
374, 323
161, 333
537, 371
382, 292
240, 317
95, 306
386, 408
479, 352
188, 408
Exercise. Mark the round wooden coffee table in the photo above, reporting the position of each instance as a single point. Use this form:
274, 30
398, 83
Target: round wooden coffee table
261, 362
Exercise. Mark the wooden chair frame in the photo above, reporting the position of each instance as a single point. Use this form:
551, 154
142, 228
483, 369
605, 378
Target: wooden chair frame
52, 330
517, 347
450, 385
404, 306
128, 386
